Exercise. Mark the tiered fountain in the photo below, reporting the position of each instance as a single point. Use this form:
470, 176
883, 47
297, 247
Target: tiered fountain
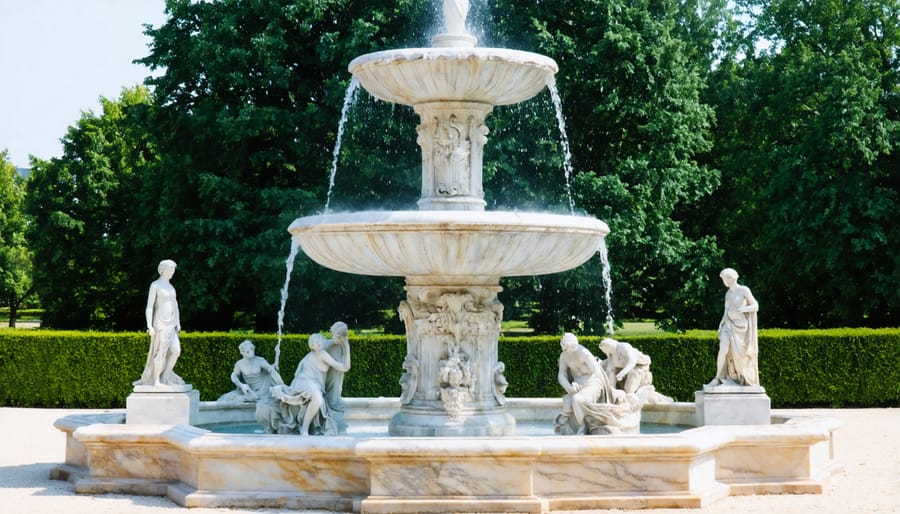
452, 254
451, 251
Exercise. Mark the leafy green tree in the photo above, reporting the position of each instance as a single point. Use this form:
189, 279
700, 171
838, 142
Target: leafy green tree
250, 96
15, 257
630, 87
807, 141
81, 208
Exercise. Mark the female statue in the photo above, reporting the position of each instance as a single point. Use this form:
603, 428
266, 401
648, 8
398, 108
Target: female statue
163, 325
303, 402
736, 363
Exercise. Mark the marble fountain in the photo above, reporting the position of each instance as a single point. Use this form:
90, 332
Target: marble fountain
451, 442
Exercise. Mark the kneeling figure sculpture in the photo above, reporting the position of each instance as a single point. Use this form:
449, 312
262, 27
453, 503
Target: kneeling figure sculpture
592, 404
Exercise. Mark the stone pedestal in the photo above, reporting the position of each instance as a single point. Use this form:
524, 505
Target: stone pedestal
454, 384
733, 405
163, 405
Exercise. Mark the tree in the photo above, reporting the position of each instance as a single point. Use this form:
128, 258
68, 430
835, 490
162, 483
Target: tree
807, 141
249, 101
15, 258
631, 100
81, 207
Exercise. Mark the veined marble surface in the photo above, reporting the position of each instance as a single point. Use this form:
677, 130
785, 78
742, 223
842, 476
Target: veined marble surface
196, 467
444, 244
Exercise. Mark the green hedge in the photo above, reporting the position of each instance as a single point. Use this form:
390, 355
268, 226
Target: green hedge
833, 368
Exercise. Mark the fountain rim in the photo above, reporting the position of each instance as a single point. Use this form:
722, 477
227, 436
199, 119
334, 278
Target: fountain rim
449, 220
391, 57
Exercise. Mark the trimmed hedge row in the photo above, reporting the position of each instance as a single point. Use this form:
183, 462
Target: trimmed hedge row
833, 368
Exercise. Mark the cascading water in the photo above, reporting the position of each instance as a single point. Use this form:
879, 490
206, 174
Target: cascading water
607, 285
349, 96
564, 140
289, 268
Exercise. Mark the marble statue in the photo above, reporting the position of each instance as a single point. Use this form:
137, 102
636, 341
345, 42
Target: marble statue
301, 407
455, 12
409, 382
500, 383
736, 363
334, 379
163, 325
258, 377
592, 404
628, 369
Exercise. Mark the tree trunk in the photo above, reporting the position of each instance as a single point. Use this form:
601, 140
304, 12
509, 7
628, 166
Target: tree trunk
13, 311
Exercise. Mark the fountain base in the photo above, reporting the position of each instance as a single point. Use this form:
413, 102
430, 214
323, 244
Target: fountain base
410, 422
372, 473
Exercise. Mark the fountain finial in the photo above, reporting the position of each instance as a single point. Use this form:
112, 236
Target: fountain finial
455, 12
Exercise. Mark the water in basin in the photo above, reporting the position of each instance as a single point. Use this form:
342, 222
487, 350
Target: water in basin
379, 429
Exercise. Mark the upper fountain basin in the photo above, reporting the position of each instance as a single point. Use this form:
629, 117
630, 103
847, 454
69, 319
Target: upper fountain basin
495, 76
447, 246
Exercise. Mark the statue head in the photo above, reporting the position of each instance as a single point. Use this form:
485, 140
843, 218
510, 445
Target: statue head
728, 276
166, 265
568, 342
317, 342
608, 345
247, 348
339, 329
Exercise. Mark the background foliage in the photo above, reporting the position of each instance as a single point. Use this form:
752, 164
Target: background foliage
16, 282
707, 133
832, 368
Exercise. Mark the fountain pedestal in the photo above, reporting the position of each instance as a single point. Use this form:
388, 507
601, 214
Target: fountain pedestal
453, 384
452, 261
451, 251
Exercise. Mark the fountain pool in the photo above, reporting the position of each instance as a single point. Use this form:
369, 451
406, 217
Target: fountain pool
375, 473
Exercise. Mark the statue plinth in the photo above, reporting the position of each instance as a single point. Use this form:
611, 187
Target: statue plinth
163, 405
733, 405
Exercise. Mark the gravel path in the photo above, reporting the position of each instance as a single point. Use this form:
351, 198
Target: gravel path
867, 446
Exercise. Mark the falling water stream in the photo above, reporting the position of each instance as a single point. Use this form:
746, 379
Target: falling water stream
607, 285
349, 98
348, 102
289, 268
567, 167
564, 140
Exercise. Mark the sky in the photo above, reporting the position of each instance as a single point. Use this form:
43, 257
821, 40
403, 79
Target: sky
57, 58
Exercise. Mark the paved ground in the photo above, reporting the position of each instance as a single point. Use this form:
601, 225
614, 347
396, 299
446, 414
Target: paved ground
868, 447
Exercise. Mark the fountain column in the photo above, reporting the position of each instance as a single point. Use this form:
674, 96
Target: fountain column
452, 136
453, 384
451, 250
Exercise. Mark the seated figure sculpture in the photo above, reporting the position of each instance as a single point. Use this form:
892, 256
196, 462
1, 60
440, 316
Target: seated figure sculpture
258, 377
301, 407
628, 369
592, 405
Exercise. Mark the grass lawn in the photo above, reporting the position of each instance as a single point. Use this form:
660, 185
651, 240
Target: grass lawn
628, 329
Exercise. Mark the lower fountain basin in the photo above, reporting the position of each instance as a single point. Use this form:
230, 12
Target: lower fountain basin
471, 246
376, 474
